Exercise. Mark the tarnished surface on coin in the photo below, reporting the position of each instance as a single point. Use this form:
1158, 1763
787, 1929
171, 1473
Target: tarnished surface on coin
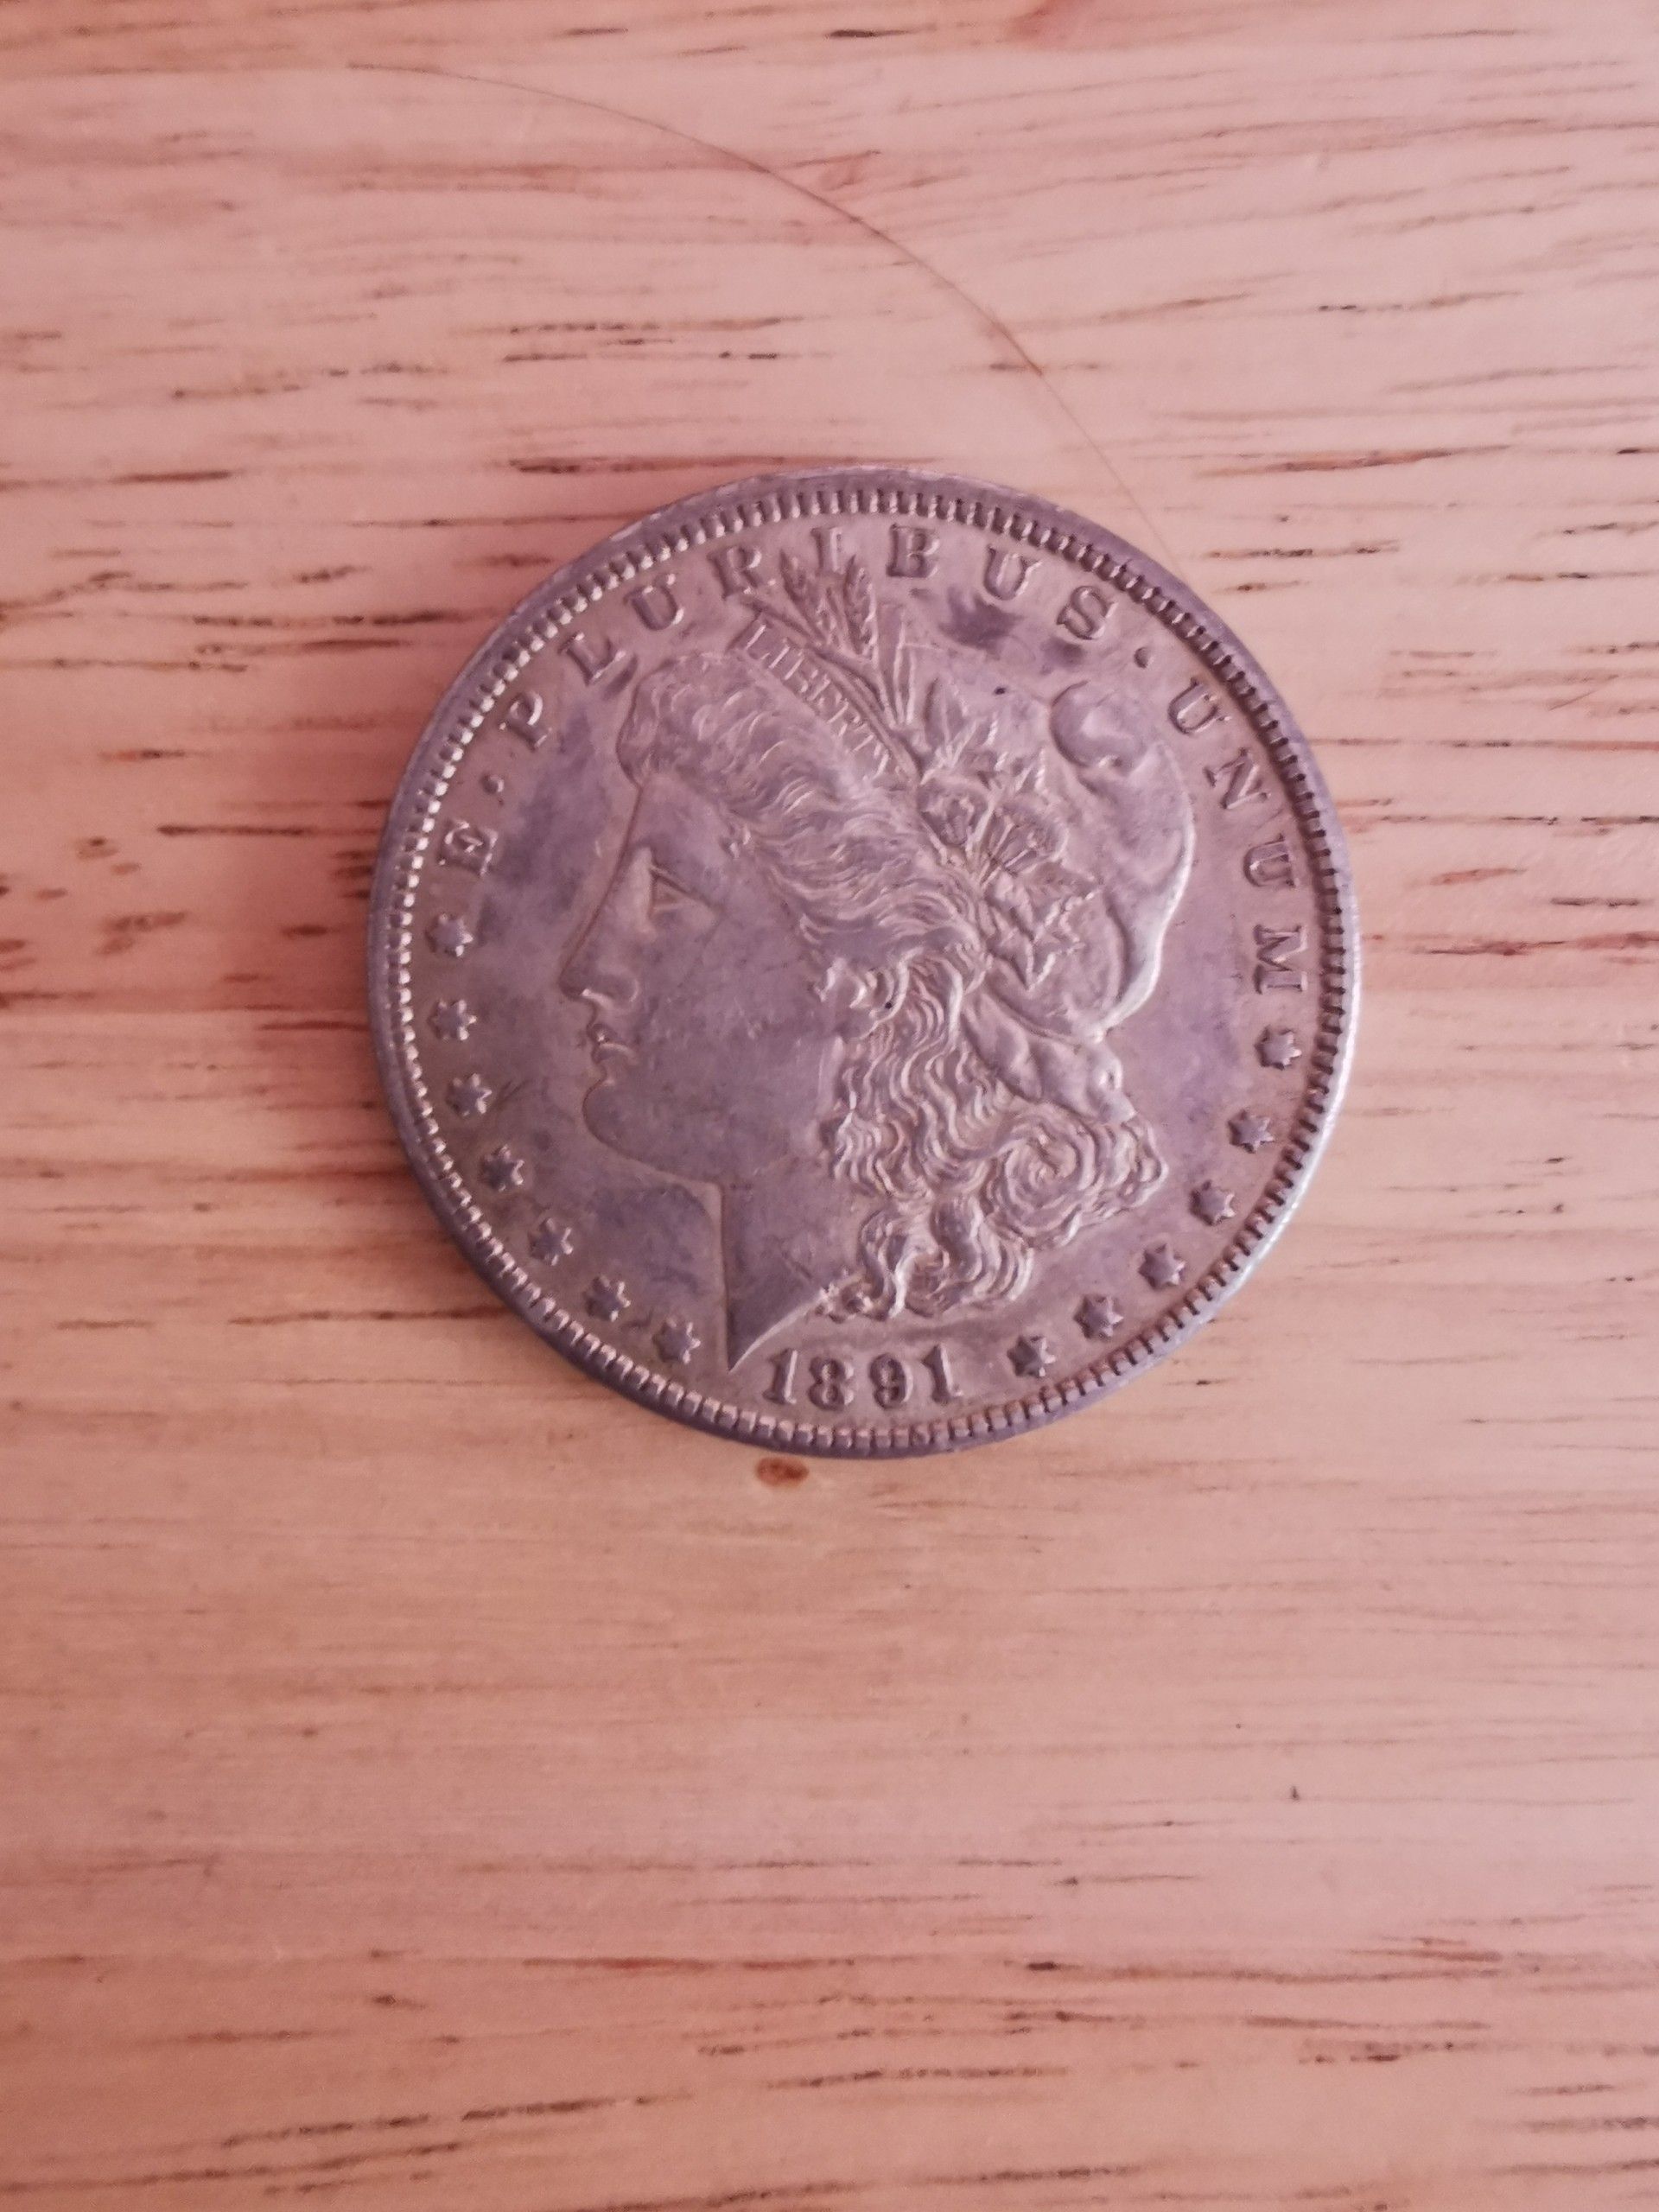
863, 962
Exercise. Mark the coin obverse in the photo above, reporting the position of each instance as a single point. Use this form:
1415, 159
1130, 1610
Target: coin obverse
863, 962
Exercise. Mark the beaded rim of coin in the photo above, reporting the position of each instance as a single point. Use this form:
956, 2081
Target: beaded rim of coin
707, 519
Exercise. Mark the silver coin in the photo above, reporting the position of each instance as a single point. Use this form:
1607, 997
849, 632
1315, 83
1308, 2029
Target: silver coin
863, 961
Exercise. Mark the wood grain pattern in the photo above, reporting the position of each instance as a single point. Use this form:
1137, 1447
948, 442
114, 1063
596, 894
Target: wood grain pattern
428, 1778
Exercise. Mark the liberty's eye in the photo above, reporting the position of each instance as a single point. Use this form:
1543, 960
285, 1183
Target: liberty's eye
666, 897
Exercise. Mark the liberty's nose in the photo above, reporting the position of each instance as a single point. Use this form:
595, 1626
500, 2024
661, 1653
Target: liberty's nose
603, 963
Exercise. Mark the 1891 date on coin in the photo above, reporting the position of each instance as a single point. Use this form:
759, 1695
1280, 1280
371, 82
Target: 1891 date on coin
862, 961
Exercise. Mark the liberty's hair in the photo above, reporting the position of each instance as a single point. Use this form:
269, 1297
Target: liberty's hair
977, 1106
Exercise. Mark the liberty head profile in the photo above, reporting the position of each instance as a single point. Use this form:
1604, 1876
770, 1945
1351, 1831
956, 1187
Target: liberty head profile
858, 966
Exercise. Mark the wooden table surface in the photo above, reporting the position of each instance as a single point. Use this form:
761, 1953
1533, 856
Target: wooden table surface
429, 1779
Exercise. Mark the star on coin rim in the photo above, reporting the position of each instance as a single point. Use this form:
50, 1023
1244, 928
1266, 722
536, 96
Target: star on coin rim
810, 496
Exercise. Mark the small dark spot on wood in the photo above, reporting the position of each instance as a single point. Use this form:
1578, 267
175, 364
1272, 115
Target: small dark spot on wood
122, 931
780, 1474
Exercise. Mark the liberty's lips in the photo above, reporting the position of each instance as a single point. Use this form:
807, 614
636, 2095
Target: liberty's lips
605, 1042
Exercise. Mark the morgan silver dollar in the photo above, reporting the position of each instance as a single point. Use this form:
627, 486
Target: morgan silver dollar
863, 962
